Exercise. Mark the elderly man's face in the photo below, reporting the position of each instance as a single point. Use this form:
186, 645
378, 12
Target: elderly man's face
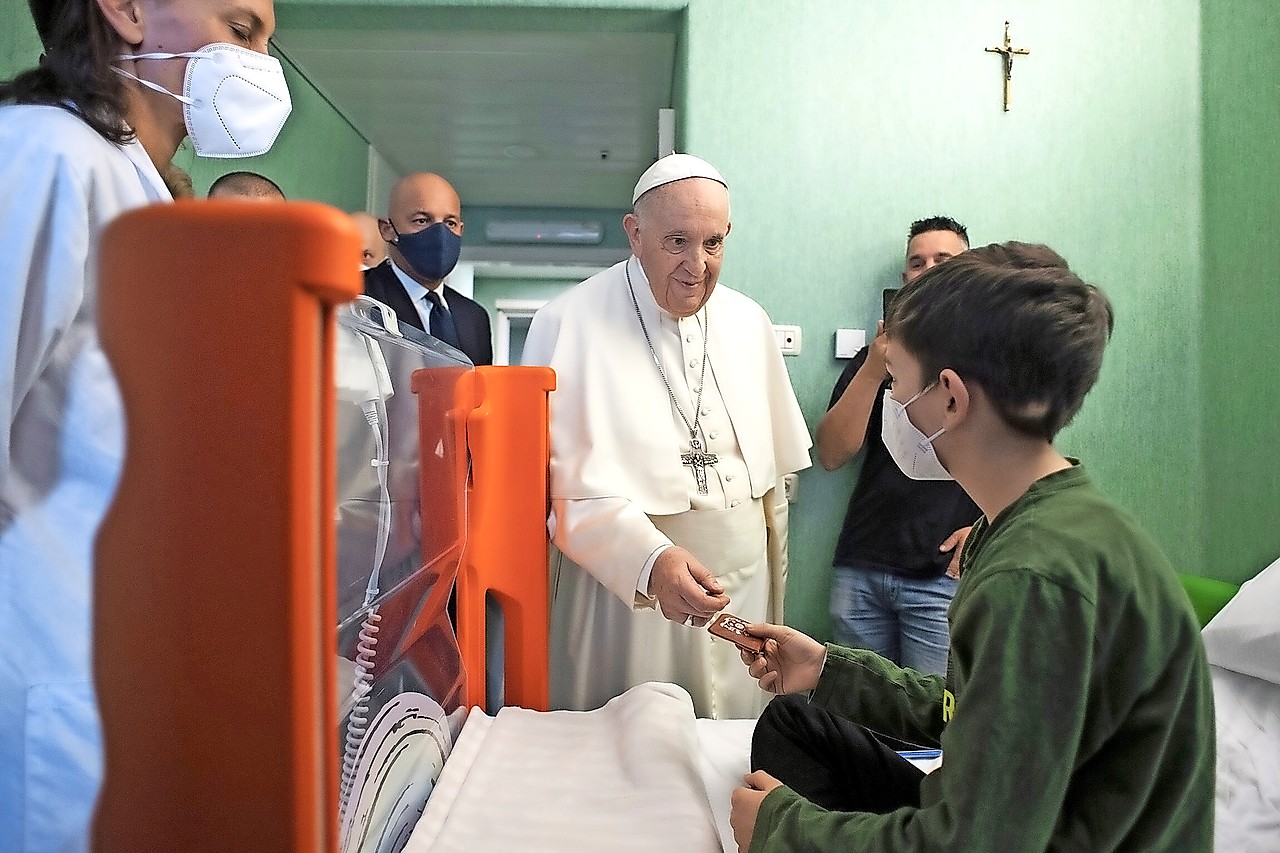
678, 233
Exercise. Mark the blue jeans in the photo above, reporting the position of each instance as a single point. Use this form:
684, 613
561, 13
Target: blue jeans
901, 618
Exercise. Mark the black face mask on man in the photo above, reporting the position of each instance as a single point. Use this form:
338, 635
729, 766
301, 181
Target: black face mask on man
432, 252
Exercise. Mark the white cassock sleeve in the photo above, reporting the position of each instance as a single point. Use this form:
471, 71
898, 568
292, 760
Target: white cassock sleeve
613, 540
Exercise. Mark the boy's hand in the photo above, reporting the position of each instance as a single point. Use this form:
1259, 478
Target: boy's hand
791, 661
875, 353
746, 805
955, 544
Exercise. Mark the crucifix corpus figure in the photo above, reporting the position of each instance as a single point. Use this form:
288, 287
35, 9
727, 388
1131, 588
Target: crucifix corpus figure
1007, 53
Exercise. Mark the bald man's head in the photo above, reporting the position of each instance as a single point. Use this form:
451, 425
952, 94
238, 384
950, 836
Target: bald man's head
418, 202
249, 186
374, 248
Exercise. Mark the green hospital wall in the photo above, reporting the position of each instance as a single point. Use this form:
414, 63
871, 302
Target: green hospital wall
1241, 329
837, 124
19, 44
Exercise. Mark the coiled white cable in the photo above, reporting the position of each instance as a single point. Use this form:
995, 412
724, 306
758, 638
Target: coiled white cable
375, 413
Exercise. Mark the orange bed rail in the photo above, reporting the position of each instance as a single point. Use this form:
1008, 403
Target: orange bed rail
506, 554
215, 587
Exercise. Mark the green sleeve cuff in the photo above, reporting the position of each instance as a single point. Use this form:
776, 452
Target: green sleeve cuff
769, 819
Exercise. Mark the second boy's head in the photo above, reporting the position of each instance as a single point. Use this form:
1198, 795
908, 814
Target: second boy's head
1011, 320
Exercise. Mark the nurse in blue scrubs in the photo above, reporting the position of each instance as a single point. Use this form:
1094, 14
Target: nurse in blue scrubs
85, 136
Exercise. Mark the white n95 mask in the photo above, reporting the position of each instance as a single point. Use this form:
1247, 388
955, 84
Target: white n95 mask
234, 100
911, 449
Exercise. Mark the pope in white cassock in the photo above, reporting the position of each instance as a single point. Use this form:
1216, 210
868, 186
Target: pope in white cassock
672, 424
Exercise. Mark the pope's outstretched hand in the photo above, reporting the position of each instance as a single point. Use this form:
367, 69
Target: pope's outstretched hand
791, 661
686, 590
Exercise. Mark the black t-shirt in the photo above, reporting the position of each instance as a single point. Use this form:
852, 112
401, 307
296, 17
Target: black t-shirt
894, 521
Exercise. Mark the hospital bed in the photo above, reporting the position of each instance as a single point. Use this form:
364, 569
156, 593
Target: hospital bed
223, 597
228, 627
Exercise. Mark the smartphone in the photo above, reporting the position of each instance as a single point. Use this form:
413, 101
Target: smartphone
887, 296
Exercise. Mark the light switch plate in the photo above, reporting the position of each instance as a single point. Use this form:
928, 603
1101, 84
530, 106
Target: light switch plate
849, 341
788, 339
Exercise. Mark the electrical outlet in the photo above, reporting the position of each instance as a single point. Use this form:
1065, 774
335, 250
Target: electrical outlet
788, 339
791, 487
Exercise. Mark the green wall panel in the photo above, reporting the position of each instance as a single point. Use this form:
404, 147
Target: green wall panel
1241, 291
836, 124
19, 44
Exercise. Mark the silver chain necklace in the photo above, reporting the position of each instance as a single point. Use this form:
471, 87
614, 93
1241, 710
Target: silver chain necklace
697, 458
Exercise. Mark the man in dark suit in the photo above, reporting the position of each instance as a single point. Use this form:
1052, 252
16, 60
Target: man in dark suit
423, 229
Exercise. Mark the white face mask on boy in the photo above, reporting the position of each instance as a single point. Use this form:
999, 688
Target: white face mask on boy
911, 449
234, 100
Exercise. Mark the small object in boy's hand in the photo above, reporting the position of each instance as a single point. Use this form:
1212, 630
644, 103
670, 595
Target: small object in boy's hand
734, 630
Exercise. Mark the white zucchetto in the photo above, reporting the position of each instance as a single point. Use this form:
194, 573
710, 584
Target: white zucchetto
672, 168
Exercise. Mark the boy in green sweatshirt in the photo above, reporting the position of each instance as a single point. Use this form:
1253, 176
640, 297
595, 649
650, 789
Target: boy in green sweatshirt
1077, 710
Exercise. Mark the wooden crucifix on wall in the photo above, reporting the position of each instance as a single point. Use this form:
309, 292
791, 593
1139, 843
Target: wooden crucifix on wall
1007, 53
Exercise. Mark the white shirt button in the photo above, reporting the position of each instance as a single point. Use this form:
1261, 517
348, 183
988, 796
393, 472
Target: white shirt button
688, 338
728, 478
713, 435
735, 503
693, 362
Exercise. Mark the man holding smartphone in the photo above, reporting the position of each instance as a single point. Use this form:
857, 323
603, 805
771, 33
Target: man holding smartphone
898, 556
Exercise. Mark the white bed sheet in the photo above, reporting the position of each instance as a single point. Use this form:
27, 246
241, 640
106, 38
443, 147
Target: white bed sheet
622, 778
1247, 813
1243, 646
724, 757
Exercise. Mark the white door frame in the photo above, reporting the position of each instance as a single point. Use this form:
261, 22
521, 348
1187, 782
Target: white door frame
507, 309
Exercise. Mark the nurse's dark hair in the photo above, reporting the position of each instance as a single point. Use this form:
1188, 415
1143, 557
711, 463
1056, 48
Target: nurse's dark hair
75, 70
1014, 319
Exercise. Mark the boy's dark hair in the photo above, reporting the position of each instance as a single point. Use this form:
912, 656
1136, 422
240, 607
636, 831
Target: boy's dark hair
1016, 320
937, 223
75, 71
245, 184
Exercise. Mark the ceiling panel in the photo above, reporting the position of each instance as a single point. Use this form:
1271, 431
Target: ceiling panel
526, 119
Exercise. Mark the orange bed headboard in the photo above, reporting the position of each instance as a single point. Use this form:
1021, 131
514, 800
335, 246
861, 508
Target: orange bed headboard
215, 589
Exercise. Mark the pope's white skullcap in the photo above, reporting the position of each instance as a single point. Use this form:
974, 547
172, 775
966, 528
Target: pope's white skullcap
672, 168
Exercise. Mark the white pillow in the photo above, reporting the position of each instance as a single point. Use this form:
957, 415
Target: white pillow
1245, 635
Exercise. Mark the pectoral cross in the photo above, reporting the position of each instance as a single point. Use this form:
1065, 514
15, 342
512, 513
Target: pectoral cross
698, 460
1007, 53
